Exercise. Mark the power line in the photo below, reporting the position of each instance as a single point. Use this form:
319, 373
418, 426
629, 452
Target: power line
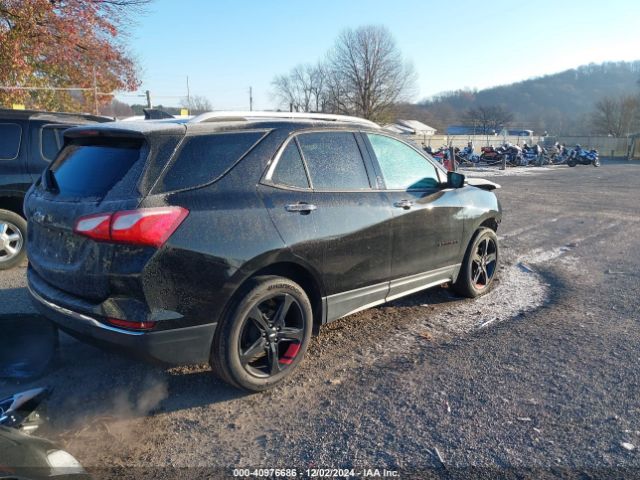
83, 89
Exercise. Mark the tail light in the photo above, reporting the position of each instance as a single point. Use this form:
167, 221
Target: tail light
97, 227
144, 226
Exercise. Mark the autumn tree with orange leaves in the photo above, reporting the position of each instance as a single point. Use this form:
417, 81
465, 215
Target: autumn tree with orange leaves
63, 44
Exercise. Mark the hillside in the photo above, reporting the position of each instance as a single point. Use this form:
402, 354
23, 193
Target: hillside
560, 103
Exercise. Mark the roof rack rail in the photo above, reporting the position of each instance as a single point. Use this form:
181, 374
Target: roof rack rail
228, 116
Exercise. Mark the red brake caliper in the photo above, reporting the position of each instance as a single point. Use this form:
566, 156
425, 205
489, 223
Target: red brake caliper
290, 354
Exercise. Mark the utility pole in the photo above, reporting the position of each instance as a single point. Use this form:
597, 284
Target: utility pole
188, 96
148, 94
95, 92
251, 99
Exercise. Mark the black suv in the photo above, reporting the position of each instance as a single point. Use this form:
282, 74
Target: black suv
230, 238
29, 141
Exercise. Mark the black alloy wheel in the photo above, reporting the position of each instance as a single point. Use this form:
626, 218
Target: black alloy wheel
271, 335
265, 335
479, 266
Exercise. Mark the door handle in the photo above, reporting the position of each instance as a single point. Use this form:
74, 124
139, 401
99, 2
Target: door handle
300, 207
406, 204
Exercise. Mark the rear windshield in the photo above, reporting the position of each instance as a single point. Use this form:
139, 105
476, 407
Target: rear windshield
205, 158
93, 169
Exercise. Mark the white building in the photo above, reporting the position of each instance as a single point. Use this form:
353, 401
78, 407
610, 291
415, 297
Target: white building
410, 127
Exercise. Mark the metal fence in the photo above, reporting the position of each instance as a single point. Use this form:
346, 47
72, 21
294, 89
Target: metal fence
607, 146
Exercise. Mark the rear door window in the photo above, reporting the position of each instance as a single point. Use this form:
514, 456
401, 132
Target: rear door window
290, 168
92, 169
334, 161
10, 136
52, 140
205, 158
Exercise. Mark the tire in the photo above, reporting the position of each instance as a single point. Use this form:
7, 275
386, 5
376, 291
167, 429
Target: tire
571, 162
13, 234
252, 334
470, 282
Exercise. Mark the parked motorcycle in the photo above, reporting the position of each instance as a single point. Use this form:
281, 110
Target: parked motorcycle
442, 155
557, 154
532, 155
468, 155
491, 155
438, 155
578, 156
514, 155
545, 157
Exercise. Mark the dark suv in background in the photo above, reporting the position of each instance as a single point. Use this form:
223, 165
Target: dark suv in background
231, 237
29, 141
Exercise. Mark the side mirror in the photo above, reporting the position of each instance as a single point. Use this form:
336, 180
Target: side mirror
455, 180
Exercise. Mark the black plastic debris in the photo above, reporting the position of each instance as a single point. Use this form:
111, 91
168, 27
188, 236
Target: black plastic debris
19, 410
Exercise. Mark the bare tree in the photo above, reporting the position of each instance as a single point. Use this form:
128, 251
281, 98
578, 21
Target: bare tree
366, 74
303, 88
605, 118
617, 116
196, 104
488, 117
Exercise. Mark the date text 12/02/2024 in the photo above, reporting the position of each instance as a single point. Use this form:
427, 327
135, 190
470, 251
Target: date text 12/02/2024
314, 473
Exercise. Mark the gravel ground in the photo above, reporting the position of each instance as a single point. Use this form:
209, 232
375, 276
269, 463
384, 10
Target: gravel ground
538, 379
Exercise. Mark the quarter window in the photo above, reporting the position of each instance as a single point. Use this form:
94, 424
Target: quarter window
334, 161
402, 167
10, 135
290, 168
205, 158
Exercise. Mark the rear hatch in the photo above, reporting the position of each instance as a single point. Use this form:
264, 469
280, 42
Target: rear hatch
104, 169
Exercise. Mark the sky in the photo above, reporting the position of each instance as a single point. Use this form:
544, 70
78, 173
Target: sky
227, 46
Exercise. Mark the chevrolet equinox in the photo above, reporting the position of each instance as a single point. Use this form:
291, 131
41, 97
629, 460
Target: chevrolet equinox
231, 237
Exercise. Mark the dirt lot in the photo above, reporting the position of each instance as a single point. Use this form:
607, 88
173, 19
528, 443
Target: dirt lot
538, 378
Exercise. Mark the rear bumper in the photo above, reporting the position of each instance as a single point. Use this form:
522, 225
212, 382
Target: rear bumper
174, 346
